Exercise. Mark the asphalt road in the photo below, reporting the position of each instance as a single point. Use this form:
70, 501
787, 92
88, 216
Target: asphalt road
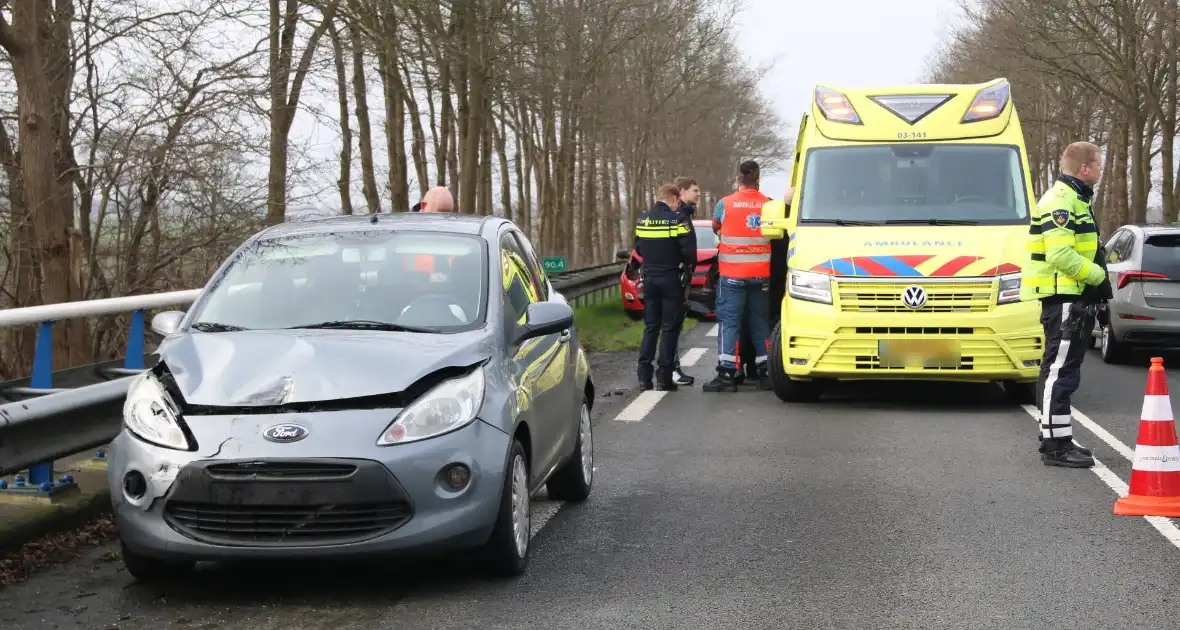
913, 506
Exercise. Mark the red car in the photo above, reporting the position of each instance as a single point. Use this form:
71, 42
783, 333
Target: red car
701, 294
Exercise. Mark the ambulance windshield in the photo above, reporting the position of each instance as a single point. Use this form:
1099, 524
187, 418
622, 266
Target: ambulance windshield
944, 184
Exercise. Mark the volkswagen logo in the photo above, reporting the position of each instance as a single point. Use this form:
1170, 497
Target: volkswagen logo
914, 296
285, 433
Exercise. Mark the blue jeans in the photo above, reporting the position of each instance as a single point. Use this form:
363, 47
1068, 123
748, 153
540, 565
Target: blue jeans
736, 297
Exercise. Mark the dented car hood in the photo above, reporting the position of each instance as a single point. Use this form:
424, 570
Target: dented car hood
276, 367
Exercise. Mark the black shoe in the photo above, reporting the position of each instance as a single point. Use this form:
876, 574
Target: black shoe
724, 381
666, 386
764, 380
645, 385
680, 378
1080, 448
1063, 452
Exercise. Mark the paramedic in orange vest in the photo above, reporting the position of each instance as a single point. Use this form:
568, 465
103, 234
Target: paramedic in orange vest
743, 260
437, 199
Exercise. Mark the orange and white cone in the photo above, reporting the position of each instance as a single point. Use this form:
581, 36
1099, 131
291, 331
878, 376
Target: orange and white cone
1155, 473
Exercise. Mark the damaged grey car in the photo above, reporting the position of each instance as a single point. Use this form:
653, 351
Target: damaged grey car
397, 384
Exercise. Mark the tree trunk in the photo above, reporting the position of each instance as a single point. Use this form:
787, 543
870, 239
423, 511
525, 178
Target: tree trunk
344, 184
363, 125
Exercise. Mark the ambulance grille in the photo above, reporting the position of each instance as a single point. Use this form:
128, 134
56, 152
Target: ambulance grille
973, 296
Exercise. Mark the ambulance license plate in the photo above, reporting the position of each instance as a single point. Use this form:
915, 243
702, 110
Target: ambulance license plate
919, 353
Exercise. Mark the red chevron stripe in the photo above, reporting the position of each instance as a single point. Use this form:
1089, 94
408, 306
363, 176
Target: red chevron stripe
1002, 269
914, 260
873, 267
956, 265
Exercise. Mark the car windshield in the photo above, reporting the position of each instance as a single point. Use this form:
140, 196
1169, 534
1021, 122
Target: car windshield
382, 280
1161, 254
947, 184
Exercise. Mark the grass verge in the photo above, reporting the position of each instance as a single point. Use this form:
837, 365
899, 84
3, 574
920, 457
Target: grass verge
603, 327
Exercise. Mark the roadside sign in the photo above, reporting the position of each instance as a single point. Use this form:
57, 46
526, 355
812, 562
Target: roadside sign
554, 264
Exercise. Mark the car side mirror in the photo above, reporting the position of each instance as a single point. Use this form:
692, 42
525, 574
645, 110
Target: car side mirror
774, 218
622, 254
544, 318
166, 323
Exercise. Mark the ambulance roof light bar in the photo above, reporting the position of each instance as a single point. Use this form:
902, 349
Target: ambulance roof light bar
835, 106
989, 103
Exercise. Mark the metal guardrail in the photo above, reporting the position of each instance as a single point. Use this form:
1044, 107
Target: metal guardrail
44, 423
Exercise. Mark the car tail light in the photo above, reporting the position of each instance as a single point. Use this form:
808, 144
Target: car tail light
1126, 277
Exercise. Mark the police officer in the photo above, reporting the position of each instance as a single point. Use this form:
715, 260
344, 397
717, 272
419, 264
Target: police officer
1067, 274
690, 193
665, 241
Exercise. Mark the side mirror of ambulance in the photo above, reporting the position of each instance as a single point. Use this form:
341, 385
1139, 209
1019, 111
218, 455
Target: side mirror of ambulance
774, 218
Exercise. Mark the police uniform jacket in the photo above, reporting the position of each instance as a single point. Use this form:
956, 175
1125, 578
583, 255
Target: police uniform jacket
665, 241
1064, 264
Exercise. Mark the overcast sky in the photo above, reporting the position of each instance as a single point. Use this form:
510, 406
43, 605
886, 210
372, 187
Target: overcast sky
841, 42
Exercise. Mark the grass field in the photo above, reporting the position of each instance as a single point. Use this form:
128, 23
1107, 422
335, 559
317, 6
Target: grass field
604, 327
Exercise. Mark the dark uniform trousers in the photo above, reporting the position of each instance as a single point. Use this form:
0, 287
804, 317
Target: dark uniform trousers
663, 314
1068, 328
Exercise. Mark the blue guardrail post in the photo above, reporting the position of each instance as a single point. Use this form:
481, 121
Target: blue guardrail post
134, 360
40, 484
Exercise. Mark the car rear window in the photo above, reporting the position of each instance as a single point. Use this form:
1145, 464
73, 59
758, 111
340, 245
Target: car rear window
1161, 254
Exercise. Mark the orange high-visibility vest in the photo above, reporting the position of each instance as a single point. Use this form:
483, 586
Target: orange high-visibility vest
742, 251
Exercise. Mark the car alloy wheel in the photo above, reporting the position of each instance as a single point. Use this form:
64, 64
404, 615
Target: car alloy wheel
587, 446
520, 506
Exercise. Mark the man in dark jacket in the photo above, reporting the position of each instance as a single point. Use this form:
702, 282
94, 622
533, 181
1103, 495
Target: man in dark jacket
690, 194
667, 245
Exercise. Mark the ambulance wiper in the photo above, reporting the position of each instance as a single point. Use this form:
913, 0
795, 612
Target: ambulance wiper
930, 222
841, 221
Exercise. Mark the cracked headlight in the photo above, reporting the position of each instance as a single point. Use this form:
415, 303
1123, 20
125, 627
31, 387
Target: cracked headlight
150, 414
452, 404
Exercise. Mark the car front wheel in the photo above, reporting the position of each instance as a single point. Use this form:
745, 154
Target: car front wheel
573, 481
506, 553
784, 387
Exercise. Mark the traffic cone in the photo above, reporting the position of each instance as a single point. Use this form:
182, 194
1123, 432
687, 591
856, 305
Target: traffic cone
1155, 473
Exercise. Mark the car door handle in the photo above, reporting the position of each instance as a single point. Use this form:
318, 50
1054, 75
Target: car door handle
564, 337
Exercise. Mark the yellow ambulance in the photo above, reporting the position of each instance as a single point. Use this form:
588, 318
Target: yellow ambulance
906, 236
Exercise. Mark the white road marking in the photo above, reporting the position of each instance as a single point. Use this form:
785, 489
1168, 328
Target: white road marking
693, 355
1162, 524
713, 331
541, 513
641, 406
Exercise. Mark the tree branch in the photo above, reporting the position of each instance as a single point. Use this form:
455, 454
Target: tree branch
8, 39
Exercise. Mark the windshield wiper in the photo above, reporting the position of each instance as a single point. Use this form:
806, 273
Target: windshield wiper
930, 222
366, 324
841, 221
216, 327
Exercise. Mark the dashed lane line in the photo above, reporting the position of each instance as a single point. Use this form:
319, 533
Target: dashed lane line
641, 406
1162, 524
713, 331
542, 511
691, 356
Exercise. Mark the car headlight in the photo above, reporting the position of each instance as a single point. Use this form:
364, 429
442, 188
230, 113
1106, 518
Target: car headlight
450, 405
1009, 289
151, 416
810, 287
